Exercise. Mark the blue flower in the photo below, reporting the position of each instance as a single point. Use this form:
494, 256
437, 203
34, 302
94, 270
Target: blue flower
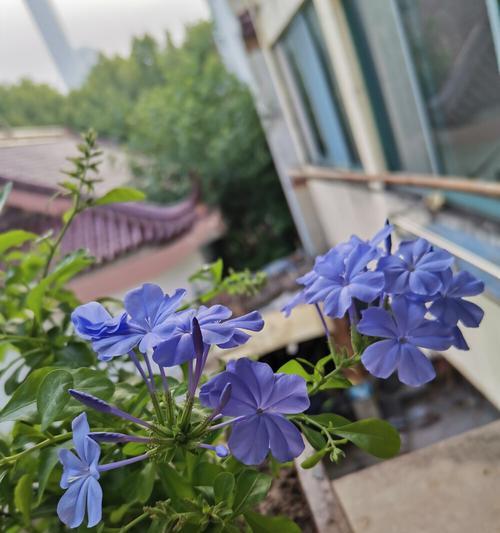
80, 478
259, 400
145, 323
216, 328
341, 279
332, 264
415, 268
404, 331
449, 307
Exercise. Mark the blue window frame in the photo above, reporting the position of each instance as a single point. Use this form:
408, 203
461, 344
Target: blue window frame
444, 105
308, 74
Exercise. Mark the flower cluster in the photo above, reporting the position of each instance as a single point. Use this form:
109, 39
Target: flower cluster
248, 396
408, 300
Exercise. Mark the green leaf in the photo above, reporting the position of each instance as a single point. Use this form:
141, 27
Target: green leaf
315, 438
75, 355
224, 488
23, 402
13, 381
4, 195
71, 265
118, 513
131, 449
314, 459
46, 462
23, 496
119, 195
329, 420
52, 396
270, 524
23, 433
372, 435
68, 214
93, 382
336, 382
295, 368
251, 488
6, 348
14, 237
205, 473
143, 484
176, 486
217, 269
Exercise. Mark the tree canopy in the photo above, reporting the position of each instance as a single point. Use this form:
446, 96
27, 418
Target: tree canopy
179, 112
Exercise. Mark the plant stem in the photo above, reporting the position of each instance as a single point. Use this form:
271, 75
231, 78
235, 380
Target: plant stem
40, 445
328, 335
22, 338
170, 407
168, 397
316, 387
134, 522
60, 237
188, 407
149, 385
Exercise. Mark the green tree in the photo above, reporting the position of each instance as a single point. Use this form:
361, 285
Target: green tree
30, 104
202, 119
112, 88
179, 112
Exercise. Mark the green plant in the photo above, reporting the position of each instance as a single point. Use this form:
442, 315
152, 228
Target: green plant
185, 486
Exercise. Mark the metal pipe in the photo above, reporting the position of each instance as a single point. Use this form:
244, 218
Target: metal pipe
452, 183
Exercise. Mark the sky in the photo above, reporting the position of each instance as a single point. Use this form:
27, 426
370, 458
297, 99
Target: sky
104, 25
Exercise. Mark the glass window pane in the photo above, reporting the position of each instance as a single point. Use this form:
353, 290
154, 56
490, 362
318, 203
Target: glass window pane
377, 39
456, 63
305, 68
434, 66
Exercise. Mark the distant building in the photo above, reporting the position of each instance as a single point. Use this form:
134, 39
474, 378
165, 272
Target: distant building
132, 243
367, 105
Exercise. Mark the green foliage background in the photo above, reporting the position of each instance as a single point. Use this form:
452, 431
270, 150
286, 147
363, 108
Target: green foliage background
178, 111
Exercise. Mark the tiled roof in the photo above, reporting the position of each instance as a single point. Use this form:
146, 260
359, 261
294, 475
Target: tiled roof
38, 155
106, 231
32, 158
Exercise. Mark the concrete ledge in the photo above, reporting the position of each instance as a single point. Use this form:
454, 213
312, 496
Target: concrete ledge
450, 487
323, 503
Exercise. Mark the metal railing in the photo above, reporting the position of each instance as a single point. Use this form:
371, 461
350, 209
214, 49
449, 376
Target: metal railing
451, 183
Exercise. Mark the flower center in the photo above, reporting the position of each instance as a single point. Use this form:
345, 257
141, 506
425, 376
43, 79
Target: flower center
402, 340
260, 410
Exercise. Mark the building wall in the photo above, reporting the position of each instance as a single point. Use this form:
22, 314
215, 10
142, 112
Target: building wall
341, 209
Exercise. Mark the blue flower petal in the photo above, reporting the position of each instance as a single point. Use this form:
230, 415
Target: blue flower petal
73, 467
377, 322
414, 368
381, 358
288, 396
285, 440
422, 282
143, 303
115, 345
81, 429
71, 506
430, 334
94, 502
249, 440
